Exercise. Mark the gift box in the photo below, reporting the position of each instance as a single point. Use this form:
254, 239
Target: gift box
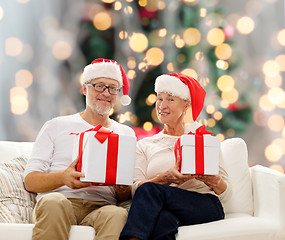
199, 152
105, 157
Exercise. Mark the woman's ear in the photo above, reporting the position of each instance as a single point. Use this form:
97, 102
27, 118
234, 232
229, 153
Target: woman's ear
187, 105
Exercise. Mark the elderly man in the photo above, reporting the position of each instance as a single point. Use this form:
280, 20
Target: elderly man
63, 200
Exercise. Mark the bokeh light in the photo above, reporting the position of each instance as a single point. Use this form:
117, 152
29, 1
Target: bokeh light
223, 51
280, 142
274, 81
231, 96
281, 104
190, 72
123, 34
245, 25
131, 74
117, 6
170, 67
281, 37
128, 10
23, 78
271, 68
192, 36
179, 42
265, 103
280, 59
102, 21
138, 42
147, 126
61, 50
221, 64
18, 100
211, 122
203, 12
225, 83
221, 136
216, 36
210, 109
276, 95
273, 153
150, 100
162, 32
132, 63
154, 56
275, 123
13, 46
108, 1
218, 115
277, 167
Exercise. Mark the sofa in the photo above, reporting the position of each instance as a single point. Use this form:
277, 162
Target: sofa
255, 211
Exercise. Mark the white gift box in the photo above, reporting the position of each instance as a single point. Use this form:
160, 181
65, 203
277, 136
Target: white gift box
211, 148
95, 159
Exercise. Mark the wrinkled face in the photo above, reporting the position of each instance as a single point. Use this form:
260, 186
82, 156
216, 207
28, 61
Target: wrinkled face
170, 109
100, 102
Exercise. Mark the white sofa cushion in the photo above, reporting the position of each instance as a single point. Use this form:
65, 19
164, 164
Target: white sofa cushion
13, 231
235, 156
234, 227
16, 204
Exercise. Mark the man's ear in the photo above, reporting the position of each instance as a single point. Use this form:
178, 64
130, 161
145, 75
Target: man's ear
84, 89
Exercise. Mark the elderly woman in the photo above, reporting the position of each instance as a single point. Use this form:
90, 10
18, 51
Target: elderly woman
164, 198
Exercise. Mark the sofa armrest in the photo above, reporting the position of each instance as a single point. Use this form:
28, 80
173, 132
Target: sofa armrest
269, 194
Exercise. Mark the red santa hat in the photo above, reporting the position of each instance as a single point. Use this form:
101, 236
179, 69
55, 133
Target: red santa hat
110, 69
183, 86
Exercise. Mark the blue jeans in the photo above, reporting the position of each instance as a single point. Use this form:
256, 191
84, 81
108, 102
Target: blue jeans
158, 210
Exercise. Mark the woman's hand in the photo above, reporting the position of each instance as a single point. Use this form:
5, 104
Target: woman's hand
215, 182
173, 175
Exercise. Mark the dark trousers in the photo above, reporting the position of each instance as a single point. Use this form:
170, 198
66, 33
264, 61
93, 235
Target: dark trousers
158, 210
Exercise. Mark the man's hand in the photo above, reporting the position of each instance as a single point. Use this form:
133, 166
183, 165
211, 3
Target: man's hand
123, 192
39, 182
71, 177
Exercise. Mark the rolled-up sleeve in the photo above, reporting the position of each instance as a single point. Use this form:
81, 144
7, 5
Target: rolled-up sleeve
43, 148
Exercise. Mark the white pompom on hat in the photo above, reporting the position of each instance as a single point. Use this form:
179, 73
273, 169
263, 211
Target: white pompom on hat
109, 69
183, 86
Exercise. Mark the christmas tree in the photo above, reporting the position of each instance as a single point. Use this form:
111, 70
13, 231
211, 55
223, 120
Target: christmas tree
149, 38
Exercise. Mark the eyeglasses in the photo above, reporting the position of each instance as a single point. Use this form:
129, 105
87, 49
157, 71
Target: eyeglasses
101, 88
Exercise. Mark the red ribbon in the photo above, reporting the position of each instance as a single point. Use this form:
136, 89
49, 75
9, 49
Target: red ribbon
112, 152
199, 149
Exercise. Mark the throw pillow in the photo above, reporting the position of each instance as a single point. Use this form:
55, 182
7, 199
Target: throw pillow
16, 204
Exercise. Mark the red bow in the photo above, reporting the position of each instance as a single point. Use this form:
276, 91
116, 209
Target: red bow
101, 135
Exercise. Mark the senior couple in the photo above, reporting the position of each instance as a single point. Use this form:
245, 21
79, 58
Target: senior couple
163, 198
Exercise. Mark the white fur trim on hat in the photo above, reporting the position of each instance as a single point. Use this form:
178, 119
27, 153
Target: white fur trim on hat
102, 69
172, 85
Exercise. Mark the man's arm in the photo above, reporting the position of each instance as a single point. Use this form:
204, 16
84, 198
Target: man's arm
44, 182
